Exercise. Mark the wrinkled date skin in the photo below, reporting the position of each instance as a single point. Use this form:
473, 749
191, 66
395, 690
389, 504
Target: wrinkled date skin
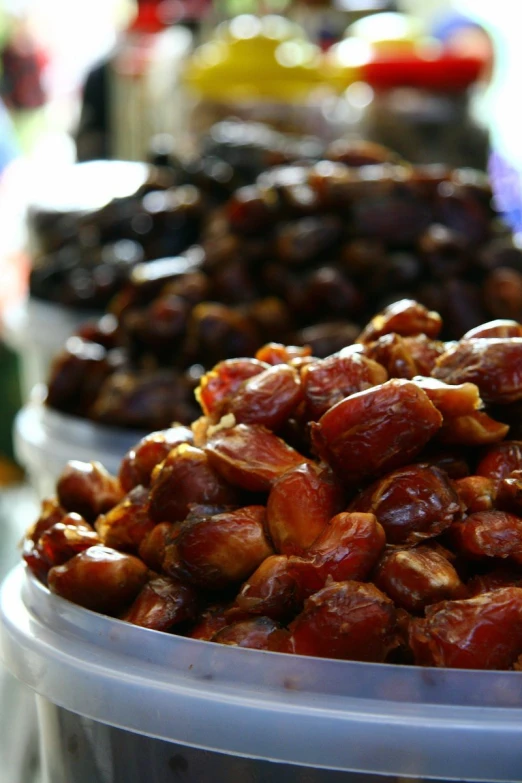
153, 544
451, 400
347, 549
268, 398
88, 489
376, 430
474, 429
223, 381
415, 578
185, 477
137, 465
489, 534
484, 632
501, 460
350, 620
99, 578
509, 496
300, 504
127, 523
273, 590
412, 503
258, 633
476, 493
406, 318
65, 539
327, 381
250, 456
493, 364
219, 550
163, 603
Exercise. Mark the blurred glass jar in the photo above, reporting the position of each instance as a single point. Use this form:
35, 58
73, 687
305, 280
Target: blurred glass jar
259, 69
414, 94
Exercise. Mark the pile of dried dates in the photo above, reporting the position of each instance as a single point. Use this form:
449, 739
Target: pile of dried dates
303, 257
82, 258
366, 506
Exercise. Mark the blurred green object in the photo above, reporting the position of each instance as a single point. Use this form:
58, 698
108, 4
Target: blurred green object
10, 398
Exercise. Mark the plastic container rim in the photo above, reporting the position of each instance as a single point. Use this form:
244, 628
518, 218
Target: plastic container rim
372, 718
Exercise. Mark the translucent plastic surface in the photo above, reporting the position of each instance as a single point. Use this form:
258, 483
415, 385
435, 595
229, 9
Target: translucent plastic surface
44, 441
37, 331
371, 718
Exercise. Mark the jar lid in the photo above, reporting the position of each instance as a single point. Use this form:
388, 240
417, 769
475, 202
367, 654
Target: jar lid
447, 72
394, 50
253, 59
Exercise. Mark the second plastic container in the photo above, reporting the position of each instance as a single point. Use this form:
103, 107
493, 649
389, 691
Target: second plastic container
45, 440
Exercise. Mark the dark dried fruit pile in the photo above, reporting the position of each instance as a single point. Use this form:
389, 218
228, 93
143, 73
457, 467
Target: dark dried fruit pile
82, 259
300, 258
366, 506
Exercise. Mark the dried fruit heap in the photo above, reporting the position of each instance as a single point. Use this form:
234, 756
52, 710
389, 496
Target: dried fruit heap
365, 506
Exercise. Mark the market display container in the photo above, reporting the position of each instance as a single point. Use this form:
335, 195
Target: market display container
45, 440
120, 703
36, 331
37, 327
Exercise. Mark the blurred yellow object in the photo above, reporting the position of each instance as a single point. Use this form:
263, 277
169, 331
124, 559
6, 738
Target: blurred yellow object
256, 59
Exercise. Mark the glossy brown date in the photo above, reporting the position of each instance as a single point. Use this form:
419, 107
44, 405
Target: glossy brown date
269, 398
259, 633
328, 381
406, 318
273, 590
250, 456
392, 353
186, 476
137, 465
509, 495
415, 578
216, 551
476, 493
277, 353
474, 429
484, 632
300, 504
501, 327
451, 400
88, 489
501, 460
350, 620
489, 534
347, 549
412, 504
163, 603
223, 381
153, 544
99, 578
493, 364
377, 430
127, 523
65, 539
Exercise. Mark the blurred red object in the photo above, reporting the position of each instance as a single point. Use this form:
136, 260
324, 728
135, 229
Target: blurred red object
448, 72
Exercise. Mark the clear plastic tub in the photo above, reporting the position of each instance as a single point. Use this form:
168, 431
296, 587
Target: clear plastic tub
120, 703
37, 330
45, 440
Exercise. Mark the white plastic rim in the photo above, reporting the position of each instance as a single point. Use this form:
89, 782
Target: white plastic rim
34, 324
369, 718
45, 440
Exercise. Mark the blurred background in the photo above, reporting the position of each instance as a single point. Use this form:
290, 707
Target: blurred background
137, 131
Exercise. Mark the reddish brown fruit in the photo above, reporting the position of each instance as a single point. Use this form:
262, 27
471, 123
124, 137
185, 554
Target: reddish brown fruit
299, 505
99, 578
349, 620
484, 632
250, 456
412, 503
376, 430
